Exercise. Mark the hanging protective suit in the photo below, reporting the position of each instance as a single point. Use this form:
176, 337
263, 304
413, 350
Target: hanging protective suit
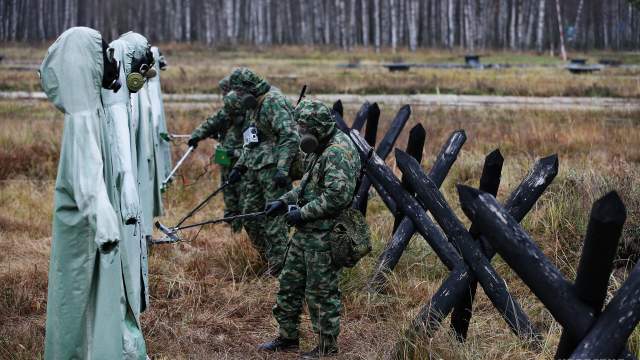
86, 305
162, 147
141, 114
118, 110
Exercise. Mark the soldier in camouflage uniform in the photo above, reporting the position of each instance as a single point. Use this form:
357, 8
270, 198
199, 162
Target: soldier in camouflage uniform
332, 166
270, 144
225, 126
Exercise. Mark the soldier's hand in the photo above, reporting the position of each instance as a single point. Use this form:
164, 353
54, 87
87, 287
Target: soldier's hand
275, 208
294, 217
193, 142
236, 174
280, 179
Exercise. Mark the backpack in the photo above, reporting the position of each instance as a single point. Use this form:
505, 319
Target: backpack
350, 238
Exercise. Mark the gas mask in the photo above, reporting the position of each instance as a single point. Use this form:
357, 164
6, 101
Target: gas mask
141, 69
308, 141
162, 63
248, 102
111, 71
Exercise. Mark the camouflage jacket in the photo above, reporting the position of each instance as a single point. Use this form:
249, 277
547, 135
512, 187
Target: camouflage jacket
224, 128
276, 131
330, 180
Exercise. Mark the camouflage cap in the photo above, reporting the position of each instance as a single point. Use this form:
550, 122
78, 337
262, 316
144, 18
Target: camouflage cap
314, 115
232, 103
224, 85
246, 81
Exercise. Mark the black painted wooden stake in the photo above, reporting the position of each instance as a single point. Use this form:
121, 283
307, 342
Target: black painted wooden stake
384, 177
337, 107
389, 258
494, 286
415, 145
340, 122
489, 182
601, 242
383, 150
522, 254
613, 328
366, 111
519, 203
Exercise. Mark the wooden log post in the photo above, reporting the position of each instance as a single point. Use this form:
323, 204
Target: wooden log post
342, 126
489, 182
613, 328
389, 258
386, 145
519, 203
494, 286
367, 111
600, 245
415, 145
337, 107
384, 177
521, 253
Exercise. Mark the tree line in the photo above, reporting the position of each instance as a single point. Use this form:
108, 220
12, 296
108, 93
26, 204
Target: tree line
472, 24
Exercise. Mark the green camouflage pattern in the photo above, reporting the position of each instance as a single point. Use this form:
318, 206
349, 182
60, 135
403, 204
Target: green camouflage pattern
269, 235
316, 116
308, 272
308, 275
278, 138
329, 181
245, 81
224, 85
226, 126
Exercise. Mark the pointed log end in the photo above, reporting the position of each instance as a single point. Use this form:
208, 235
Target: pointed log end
494, 158
550, 163
609, 209
468, 197
406, 107
418, 131
460, 134
374, 111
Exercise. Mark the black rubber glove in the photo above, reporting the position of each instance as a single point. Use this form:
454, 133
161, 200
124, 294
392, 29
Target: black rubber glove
236, 174
294, 217
280, 179
193, 142
275, 208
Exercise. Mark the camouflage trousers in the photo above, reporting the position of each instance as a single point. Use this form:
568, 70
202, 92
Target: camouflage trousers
268, 234
308, 275
232, 198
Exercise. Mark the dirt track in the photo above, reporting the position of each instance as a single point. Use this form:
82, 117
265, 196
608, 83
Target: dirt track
454, 101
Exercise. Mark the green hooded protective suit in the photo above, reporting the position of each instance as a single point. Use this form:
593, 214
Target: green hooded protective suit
162, 148
150, 196
118, 110
86, 305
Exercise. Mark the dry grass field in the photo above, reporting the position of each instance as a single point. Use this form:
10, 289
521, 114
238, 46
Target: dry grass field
208, 299
197, 69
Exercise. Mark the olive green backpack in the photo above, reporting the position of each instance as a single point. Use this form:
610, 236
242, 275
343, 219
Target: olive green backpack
350, 238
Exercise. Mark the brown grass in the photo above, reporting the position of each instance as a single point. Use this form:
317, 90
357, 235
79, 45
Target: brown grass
195, 68
208, 300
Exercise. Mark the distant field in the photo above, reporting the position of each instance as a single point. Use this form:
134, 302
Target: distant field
194, 68
208, 302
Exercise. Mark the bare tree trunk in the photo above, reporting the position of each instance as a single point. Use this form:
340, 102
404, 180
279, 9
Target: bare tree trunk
541, 17
394, 24
413, 24
352, 24
563, 51
365, 22
451, 21
376, 24
578, 20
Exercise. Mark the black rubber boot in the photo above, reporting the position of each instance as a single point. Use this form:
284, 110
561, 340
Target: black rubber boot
327, 347
281, 344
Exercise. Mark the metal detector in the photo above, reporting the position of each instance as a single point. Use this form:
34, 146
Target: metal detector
170, 137
172, 232
168, 179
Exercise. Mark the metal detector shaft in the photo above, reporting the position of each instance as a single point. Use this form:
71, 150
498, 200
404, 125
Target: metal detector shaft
201, 204
177, 165
216, 221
